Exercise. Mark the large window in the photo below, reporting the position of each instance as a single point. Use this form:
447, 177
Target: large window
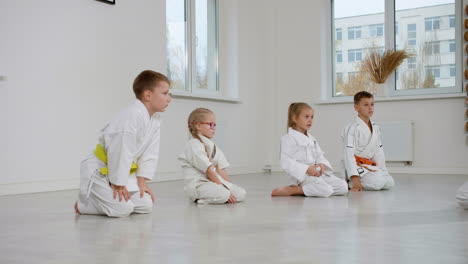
192, 45
428, 29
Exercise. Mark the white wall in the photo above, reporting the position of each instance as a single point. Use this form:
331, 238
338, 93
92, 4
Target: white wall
70, 65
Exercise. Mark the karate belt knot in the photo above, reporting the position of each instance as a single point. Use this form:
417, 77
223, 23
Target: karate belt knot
101, 154
362, 162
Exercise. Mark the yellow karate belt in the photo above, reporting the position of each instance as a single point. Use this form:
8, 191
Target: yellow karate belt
101, 154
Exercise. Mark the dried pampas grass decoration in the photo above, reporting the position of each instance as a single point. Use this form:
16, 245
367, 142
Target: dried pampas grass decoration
378, 67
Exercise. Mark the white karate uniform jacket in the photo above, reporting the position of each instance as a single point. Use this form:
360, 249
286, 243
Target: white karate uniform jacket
298, 153
195, 161
196, 158
360, 141
131, 136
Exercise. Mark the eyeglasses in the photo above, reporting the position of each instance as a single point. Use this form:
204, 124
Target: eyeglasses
211, 124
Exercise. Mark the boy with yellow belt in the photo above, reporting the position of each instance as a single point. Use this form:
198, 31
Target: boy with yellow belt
113, 178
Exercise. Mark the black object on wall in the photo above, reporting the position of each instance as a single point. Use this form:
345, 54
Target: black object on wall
110, 2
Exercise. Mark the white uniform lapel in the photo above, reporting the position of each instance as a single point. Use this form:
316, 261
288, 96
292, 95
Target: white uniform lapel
211, 149
372, 146
308, 143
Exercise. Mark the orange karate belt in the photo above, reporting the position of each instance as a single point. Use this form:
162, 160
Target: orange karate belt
363, 162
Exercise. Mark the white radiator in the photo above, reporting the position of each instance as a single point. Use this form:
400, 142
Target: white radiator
397, 139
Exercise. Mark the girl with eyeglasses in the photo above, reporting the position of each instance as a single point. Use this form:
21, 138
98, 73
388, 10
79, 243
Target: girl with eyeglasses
204, 164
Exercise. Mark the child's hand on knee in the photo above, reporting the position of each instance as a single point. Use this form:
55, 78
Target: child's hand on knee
120, 191
144, 188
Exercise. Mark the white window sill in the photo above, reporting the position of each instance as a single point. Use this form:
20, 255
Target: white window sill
349, 99
187, 95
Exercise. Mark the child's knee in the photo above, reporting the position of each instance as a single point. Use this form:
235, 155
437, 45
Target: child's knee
144, 205
120, 209
373, 182
389, 183
240, 194
322, 191
221, 196
342, 188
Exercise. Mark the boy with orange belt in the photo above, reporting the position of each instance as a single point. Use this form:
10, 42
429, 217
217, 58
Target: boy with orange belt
364, 158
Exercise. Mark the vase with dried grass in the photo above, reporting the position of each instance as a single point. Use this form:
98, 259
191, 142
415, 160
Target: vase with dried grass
378, 67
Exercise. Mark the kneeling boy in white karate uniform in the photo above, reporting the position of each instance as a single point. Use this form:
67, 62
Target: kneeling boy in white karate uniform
302, 158
462, 195
204, 165
113, 178
364, 157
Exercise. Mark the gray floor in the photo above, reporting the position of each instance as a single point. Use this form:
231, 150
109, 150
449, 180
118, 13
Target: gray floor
417, 222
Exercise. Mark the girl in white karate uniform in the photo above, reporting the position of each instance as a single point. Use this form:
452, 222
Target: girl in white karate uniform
462, 195
204, 164
302, 158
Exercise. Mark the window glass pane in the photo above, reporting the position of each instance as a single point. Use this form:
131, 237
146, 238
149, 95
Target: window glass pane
176, 43
339, 56
452, 21
452, 70
452, 45
205, 45
429, 39
365, 32
338, 34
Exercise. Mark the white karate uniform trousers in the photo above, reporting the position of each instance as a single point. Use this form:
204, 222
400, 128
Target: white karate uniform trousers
462, 195
324, 186
376, 181
210, 192
97, 197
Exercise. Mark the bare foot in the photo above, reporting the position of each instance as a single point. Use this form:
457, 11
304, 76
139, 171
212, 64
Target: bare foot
282, 191
288, 191
76, 208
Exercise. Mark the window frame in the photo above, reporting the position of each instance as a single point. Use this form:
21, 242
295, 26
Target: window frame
191, 89
390, 88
